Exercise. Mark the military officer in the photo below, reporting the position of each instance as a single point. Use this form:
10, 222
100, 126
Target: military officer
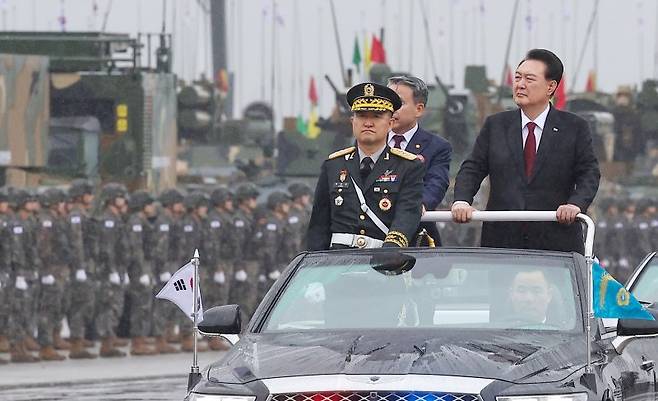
368, 195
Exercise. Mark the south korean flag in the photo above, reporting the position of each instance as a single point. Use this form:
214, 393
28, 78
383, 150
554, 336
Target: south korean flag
180, 290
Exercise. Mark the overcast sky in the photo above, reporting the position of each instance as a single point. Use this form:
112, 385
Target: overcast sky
461, 32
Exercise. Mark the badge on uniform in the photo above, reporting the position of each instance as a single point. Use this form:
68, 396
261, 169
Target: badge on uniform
342, 176
387, 178
338, 201
385, 204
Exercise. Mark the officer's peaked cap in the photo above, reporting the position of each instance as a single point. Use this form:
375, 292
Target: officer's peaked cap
370, 96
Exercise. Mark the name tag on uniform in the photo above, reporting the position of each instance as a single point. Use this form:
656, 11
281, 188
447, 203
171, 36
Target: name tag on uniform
164, 227
75, 220
341, 185
259, 235
137, 228
603, 224
293, 220
215, 224
239, 223
643, 226
271, 227
188, 228
109, 224
47, 223
18, 230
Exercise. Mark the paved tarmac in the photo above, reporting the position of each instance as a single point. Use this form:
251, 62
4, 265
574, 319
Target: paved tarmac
157, 377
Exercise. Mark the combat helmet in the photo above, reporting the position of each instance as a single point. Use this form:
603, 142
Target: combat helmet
112, 191
220, 195
52, 196
139, 199
170, 197
195, 200
80, 187
299, 189
246, 191
276, 198
20, 197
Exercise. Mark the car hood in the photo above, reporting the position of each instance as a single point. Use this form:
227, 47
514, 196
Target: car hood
514, 356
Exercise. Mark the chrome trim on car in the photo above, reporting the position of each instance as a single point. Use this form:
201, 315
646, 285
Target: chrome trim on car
430, 383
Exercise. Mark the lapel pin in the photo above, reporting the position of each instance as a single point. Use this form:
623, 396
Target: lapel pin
417, 146
555, 129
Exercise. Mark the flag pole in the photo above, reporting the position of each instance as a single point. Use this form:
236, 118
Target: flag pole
195, 376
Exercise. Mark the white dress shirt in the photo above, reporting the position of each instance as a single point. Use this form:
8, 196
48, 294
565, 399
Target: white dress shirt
407, 137
540, 121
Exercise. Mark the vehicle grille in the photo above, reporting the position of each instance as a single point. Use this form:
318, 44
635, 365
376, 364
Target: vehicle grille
375, 396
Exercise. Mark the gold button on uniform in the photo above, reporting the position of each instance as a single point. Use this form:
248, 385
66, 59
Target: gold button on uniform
362, 232
386, 191
340, 189
362, 217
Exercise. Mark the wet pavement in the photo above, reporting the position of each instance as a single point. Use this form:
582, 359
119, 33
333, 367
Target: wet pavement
158, 377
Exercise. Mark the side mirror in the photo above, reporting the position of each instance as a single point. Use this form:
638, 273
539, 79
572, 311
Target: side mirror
637, 327
220, 320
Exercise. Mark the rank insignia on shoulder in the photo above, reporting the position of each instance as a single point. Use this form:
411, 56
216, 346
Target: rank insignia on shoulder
403, 154
342, 152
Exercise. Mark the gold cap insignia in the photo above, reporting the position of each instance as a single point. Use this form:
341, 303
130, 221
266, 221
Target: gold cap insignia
368, 90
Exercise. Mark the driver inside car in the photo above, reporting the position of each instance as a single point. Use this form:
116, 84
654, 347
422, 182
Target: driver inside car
530, 295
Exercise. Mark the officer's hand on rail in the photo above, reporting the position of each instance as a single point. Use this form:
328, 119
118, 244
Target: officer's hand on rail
566, 214
462, 212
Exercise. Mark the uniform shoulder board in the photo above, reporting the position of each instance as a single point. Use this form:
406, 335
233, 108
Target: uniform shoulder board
340, 153
403, 154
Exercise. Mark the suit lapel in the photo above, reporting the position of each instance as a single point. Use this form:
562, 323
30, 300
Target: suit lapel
384, 162
549, 136
417, 143
515, 141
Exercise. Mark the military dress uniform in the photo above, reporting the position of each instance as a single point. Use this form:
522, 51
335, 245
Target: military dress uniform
366, 203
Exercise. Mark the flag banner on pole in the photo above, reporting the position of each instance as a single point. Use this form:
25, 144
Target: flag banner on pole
612, 300
179, 290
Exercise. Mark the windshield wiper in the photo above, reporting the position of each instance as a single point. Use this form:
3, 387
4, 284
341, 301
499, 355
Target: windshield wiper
351, 349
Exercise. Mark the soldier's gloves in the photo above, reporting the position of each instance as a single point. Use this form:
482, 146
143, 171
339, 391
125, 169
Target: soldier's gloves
81, 275
314, 293
145, 280
262, 278
126, 279
21, 284
114, 278
241, 275
164, 277
273, 275
48, 279
219, 277
623, 262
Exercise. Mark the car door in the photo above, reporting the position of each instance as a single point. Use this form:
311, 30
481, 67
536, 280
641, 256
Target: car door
638, 376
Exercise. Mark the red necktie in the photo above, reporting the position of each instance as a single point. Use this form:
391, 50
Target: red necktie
529, 150
397, 138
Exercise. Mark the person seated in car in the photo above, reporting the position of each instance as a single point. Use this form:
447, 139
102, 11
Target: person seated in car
530, 295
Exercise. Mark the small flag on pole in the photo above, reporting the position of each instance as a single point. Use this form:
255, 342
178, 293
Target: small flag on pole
180, 290
356, 55
612, 300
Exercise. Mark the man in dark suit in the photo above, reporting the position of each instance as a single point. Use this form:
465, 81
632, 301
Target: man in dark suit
537, 158
367, 195
434, 151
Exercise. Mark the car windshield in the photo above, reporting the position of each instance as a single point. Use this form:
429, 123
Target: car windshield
388, 290
645, 288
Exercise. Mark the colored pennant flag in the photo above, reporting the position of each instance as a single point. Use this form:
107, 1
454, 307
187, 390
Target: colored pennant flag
356, 55
313, 131
509, 80
366, 56
560, 95
313, 93
180, 290
591, 82
378, 54
612, 300
301, 125
222, 81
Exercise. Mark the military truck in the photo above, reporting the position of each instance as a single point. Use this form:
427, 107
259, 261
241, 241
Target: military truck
103, 112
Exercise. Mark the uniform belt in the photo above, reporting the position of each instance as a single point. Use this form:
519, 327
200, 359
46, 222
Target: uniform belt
356, 241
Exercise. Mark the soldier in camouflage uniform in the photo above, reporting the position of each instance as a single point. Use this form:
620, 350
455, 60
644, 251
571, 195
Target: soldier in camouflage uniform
646, 214
166, 261
298, 217
23, 271
32, 223
603, 240
220, 248
193, 237
244, 289
83, 248
52, 237
112, 273
5, 270
140, 292
626, 228
274, 252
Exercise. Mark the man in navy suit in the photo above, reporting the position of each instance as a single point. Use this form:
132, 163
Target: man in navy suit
434, 151
537, 158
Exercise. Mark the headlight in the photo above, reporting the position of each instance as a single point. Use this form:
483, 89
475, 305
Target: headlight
217, 397
553, 397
